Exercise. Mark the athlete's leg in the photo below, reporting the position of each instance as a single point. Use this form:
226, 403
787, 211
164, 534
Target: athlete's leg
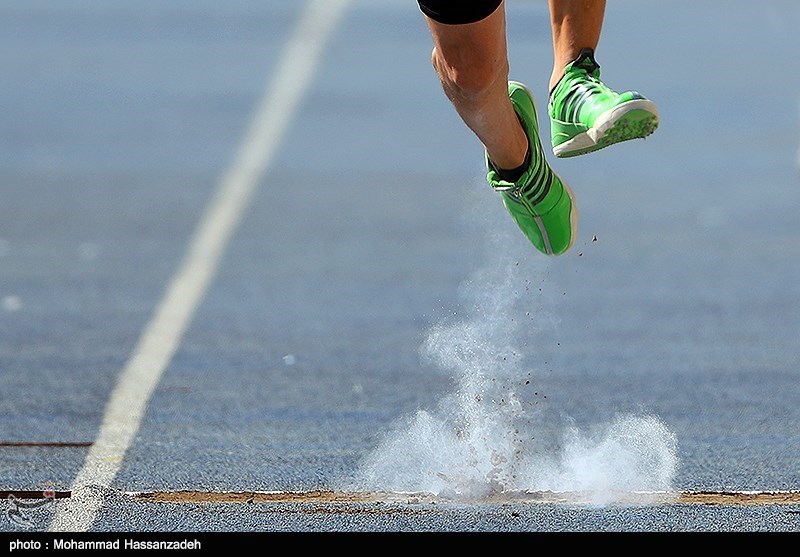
471, 61
585, 114
470, 57
576, 25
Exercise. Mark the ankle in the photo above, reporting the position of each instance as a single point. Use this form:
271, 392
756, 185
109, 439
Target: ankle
555, 79
512, 175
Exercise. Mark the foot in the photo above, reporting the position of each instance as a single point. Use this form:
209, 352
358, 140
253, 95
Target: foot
586, 115
539, 202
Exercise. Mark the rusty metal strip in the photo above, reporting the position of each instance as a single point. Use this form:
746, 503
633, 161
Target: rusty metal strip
35, 494
320, 496
45, 443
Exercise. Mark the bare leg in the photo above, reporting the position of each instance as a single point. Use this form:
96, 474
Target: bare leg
472, 63
576, 25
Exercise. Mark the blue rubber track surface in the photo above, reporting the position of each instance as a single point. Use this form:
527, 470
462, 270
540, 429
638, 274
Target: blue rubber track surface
374, 225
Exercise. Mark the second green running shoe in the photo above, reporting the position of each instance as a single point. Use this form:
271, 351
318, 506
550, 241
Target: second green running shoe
539, 202
586, 115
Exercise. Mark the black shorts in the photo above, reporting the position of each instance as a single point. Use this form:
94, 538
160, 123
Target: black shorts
458, 12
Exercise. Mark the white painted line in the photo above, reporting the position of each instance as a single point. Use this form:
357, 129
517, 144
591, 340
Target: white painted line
163, 334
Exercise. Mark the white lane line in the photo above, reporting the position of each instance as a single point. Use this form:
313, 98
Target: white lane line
162, 336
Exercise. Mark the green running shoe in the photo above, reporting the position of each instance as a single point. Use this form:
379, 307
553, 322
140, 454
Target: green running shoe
539, 202
586, 115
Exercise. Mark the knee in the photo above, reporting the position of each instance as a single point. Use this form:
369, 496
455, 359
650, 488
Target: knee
465, 74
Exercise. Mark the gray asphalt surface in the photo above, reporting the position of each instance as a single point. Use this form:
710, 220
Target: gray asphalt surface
372, 227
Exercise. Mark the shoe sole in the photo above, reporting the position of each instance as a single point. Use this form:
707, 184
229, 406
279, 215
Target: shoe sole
635, 119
